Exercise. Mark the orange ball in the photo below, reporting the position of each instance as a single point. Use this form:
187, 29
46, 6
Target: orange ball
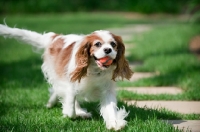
106, 61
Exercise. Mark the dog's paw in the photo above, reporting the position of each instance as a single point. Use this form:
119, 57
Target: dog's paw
83, 113
49, 105
69, 114
116, 125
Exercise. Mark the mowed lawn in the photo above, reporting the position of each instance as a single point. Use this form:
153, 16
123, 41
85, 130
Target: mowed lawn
24, 91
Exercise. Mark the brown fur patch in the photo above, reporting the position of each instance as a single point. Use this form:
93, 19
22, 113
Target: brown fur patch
61, 56
91, 39
56, 47
63, 59
54, 36
122, 70
83, 56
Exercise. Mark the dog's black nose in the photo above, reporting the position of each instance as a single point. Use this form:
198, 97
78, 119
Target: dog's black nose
107, 50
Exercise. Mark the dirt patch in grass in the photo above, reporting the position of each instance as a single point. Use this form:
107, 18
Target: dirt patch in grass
195, 45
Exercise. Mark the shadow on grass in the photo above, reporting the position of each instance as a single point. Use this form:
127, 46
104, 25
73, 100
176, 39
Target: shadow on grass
134, 112
24, 74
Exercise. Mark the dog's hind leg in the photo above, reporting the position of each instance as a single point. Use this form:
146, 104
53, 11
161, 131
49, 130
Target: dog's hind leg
53, 98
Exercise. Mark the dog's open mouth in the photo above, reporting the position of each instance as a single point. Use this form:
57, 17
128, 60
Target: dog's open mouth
104, 62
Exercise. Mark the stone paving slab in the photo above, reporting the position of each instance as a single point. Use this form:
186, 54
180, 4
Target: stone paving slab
153, 90
186, 125
139, 75
184, 107
127, 31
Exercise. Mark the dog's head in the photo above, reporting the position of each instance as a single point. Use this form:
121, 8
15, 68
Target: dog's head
97, 46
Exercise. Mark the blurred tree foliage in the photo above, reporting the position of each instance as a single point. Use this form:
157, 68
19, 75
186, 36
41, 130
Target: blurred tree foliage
54, 6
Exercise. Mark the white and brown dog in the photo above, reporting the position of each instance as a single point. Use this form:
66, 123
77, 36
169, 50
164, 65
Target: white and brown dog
73, 66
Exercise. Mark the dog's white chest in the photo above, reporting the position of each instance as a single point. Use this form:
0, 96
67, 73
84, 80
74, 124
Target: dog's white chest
93, 86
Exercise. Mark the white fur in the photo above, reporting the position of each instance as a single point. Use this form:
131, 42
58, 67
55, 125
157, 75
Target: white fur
101, 54
97, 85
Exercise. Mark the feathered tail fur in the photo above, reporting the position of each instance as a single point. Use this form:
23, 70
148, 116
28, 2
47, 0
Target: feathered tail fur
36, 39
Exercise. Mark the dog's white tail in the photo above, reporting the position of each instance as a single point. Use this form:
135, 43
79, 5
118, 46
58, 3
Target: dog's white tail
36, 39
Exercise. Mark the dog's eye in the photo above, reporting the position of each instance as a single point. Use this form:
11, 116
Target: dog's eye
98, 44
113, 44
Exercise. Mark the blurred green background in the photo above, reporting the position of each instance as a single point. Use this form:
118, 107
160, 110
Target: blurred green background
54, 6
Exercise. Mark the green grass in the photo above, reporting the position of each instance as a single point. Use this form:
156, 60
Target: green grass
23, 90
165, 50
65, 23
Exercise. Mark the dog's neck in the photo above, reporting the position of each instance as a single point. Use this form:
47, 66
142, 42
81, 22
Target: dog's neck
95, 71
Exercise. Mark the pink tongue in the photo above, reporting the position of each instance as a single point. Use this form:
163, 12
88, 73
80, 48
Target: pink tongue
99, 63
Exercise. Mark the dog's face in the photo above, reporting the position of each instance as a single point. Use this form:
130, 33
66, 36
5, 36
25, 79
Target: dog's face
98, 45
103, 45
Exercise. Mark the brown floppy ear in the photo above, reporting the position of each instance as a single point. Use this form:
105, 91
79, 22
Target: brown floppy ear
82, 62
122, 67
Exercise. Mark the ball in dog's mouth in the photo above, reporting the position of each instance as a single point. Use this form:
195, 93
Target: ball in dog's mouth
104, 62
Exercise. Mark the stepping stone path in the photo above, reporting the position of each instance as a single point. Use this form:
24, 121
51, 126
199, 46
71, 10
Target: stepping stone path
186, 125
141, 75
184, 107
153, 90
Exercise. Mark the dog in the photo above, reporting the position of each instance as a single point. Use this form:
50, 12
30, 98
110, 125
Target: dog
81, 68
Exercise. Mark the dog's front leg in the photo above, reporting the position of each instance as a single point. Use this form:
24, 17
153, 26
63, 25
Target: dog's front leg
68, 104
112, 115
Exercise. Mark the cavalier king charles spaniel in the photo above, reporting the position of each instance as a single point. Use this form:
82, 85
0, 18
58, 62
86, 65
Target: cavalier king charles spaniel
81, 68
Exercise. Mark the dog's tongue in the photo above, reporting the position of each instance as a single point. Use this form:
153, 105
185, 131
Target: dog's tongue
99, 63
105, 61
